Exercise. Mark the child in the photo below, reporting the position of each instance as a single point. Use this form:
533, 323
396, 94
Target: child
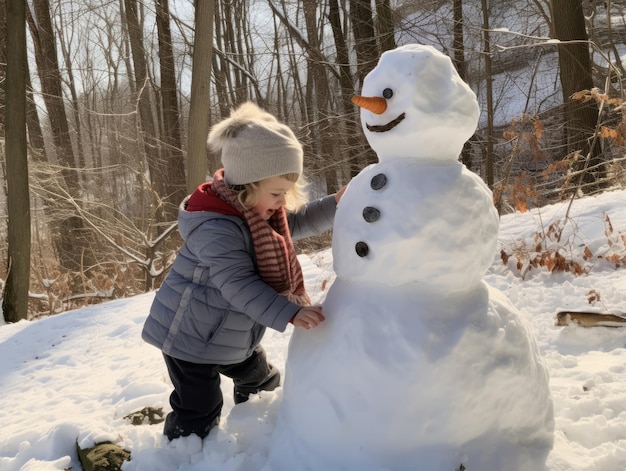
237, 272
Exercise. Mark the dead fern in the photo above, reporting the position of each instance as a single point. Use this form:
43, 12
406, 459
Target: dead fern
549, 253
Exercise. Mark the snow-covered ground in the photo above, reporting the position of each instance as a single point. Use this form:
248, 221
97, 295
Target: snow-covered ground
73, 377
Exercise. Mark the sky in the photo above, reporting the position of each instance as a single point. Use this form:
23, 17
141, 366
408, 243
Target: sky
74, 376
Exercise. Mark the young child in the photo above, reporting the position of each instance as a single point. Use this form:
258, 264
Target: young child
237, 272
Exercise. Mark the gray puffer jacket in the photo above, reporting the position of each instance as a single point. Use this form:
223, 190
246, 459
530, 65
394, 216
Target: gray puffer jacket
213, 307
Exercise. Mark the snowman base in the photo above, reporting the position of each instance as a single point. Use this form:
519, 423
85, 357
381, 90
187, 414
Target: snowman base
446, 381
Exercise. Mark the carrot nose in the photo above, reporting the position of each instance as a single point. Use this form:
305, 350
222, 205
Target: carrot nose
375, 104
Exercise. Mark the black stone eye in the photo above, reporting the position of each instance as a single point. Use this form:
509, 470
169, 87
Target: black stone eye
371, 214
387, 93
378, 181
362, 249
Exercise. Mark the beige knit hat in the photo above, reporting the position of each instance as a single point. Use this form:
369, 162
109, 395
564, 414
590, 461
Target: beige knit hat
255, 146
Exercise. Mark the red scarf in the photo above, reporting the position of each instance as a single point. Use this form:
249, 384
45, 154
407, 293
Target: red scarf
276, 257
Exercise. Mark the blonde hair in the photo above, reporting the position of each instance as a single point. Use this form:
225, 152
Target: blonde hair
296, 197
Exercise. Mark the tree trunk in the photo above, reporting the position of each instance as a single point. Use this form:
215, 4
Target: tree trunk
322, 139
232, 16
575, 70
15, 296
367, 53
220, 67
386, 31
458, 45
489, 92
175, 187
200, 105
352, 131
3, 61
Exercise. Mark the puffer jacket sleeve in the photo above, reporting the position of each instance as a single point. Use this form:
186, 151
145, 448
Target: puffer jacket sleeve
223, 247
313, 218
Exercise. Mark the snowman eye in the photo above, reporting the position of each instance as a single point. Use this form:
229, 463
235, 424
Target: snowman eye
387, 93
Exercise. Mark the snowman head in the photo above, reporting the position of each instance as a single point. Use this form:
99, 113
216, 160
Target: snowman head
415, 105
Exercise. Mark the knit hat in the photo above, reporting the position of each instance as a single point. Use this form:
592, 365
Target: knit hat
255, 146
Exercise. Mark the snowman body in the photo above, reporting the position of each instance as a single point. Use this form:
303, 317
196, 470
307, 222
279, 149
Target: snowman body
420, 365
398, 224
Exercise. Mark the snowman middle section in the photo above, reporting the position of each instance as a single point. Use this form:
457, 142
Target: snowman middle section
410, 220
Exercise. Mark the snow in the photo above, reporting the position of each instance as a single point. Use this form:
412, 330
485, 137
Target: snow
74, 376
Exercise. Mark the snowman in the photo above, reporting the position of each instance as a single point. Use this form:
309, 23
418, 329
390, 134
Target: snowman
420, 365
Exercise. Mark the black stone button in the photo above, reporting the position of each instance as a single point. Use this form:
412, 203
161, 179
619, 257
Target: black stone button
371, 214
378, 181
362, 249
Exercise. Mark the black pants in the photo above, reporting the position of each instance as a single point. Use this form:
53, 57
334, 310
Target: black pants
197, 398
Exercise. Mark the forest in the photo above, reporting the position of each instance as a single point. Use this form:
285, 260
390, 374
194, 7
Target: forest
105, 107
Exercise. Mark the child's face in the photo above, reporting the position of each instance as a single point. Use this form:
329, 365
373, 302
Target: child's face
272, 195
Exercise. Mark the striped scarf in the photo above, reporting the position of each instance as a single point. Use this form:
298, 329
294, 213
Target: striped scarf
276, 257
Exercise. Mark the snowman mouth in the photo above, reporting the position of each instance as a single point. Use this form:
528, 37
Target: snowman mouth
386, 127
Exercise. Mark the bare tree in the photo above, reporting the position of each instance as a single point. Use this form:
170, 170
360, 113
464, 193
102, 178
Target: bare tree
458, 45
367, 53
350, 123
151, 145
15, 296
71, 237
321, 136
220, 66
236, 60
63, 29
367, 50
386, 30
575, 73
3, 60
175, 188
200, 104
489, 92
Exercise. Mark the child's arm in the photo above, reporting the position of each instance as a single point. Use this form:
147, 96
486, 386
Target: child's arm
316, 217
313, 218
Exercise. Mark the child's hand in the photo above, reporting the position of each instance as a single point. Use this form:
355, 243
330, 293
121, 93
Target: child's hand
307, 317
340, 193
